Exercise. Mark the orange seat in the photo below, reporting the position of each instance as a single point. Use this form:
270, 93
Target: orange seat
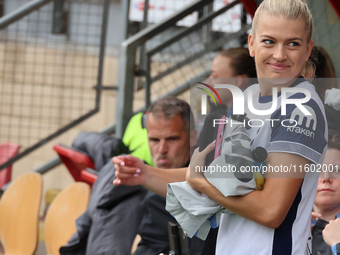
77, 163
7, 151
19, 215
62, 214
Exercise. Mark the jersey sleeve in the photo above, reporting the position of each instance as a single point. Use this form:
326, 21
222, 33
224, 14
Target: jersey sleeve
297, 133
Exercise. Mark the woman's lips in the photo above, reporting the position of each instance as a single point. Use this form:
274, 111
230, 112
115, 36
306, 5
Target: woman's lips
279, 67
325, 190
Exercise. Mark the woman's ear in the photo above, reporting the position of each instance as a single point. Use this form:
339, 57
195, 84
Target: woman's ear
240, 81
309, 50
251, 45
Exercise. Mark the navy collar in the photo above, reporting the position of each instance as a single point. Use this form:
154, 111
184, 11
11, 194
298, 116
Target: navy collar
267, 99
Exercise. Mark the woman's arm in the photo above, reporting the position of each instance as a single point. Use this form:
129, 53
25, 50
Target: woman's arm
267, 207
132, 171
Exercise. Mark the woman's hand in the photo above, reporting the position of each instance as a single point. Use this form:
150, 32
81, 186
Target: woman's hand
130, 170
331, 233
314, 217
194, 176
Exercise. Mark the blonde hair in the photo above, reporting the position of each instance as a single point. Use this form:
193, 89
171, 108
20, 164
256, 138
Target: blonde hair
291, 9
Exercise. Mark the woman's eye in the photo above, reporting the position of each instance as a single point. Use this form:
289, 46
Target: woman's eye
293, 44
268, 41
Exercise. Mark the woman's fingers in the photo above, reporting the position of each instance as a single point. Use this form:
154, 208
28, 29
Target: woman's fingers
132, 161
128, 170
315, 216
125, 175
122, 169
117, 182
118, 160
209, 148
126, 160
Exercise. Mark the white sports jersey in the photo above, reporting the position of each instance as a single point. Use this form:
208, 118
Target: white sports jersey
239, 236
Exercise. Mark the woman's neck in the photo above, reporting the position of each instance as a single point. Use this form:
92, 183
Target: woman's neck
266, 87
328, 213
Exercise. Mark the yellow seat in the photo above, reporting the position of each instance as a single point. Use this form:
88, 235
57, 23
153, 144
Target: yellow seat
19, 215
60, 225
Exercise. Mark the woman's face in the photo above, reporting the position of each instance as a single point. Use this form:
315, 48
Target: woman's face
221, 72
328, 190
280, 48
221, 67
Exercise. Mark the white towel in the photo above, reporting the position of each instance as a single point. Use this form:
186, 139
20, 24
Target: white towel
196, 212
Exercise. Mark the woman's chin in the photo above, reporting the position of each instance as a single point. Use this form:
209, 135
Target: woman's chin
278, 80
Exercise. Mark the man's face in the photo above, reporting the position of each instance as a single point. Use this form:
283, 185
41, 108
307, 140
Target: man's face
169, 143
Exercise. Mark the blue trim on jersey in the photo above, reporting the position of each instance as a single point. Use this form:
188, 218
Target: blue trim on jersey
283, 240
306, 138
230, 112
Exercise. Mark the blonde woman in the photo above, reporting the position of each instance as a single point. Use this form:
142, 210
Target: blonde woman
276, 219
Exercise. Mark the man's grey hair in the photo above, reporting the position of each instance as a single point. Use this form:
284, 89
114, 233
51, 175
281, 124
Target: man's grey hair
169, 107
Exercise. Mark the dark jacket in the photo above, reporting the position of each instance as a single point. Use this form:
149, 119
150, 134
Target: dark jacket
154, 233
116, 214
103, 229
100, 147
319, 247
111, 220
153, 228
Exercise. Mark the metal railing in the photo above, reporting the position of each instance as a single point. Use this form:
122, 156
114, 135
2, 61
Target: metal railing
129, 69
185, 53
127, 62
50, 79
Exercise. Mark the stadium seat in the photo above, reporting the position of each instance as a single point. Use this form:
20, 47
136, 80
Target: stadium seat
62, 214
7, 151
19, 215
78, 163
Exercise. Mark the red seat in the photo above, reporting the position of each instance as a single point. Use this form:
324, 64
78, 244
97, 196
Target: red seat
77, 163
7, 151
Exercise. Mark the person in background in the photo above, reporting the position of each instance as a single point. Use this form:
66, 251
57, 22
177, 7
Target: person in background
327, 198
274, 220
171, 139
231, 63
319, 67
332, 109
115, 213
331, 235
